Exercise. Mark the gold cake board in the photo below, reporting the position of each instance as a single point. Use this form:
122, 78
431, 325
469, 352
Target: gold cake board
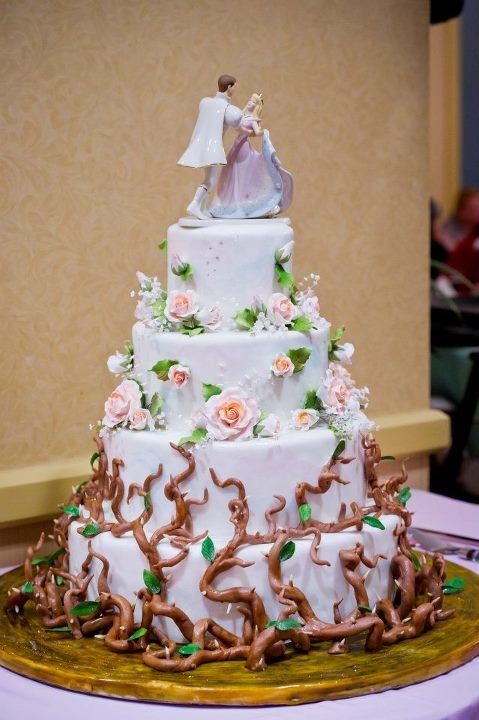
87, 666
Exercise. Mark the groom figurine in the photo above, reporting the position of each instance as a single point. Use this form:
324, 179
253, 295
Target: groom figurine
206, 149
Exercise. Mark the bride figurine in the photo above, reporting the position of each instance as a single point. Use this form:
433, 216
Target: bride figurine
252, 184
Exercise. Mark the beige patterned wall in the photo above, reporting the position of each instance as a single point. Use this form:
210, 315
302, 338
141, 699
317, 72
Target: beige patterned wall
99, 99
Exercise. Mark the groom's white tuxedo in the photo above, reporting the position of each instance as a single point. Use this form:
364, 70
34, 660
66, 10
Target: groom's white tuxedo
215, 115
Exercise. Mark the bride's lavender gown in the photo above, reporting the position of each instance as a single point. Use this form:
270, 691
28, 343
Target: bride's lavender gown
252, 184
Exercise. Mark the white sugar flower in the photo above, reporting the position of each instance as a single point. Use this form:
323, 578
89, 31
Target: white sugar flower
304, 418
270, 426
283, 254
344, 353
118, 364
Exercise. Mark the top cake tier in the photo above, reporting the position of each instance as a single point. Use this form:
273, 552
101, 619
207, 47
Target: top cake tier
231, 261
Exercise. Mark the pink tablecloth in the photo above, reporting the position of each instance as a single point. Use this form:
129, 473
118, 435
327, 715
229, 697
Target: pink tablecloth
454, 696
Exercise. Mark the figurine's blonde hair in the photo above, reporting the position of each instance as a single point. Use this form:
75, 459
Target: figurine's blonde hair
259, 105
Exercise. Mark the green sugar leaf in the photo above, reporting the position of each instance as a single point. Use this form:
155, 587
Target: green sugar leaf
373, 522
162, 367
416, 560
366, 608
189, 649
312, 401
208, 549
301, 324
50, 559
271, 623
289, 624
338, 449
91, 530
27, 588
245, 319
404, 495
287, 551
137, 634
88, 607
192, 331
158, 308
72, 511
60, 580
454, 585
299, 357
210, 390
63, 629
388, 457
94, 458
156, 405
284, 278
197, 436
152, 582
338, 335
147, 500
187, 272
304, 512
163, 245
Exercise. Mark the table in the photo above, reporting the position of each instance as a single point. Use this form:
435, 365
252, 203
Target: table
454, 696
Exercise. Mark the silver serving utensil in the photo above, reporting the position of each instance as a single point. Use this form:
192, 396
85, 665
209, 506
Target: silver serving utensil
433, 543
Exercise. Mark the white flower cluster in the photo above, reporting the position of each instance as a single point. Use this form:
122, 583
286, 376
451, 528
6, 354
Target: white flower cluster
178, 310
281, 313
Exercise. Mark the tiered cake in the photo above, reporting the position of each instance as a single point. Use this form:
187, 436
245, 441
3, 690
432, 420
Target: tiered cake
234, 504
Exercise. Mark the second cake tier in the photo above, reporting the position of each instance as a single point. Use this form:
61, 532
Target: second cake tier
265, 467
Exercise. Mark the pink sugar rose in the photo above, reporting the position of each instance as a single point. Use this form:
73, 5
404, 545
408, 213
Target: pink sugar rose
231, 415
282, 366
179, 375
122, 403
181, 305
281, 311
339, 385
140, 419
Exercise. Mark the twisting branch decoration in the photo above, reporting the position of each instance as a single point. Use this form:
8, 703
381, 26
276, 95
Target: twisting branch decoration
61, 597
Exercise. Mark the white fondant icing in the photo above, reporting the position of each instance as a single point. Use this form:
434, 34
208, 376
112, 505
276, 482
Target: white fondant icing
231, 260
266, 467
322, 585
229, 359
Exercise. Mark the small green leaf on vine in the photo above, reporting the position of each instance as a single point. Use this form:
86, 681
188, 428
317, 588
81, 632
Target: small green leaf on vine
287, 551
90, 530
72, 511
94, 458
137, 634
404, 495
152, 582
373, 522
83, 609
189, 649
304, 511
208, 549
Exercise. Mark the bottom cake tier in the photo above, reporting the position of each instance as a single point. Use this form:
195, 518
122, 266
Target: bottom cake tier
323, 585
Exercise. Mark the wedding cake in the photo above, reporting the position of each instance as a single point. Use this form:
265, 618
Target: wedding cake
234, 505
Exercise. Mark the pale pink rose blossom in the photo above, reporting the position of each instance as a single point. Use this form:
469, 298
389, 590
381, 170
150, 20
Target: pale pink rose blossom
122, 403
179, 375
140, 419
181, 305
281, 311
339, 385
116, 363
304, 418
282, 366
271, 426
231, 415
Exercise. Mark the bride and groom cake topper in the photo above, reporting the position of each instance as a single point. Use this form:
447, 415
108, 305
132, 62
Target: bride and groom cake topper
248, 183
